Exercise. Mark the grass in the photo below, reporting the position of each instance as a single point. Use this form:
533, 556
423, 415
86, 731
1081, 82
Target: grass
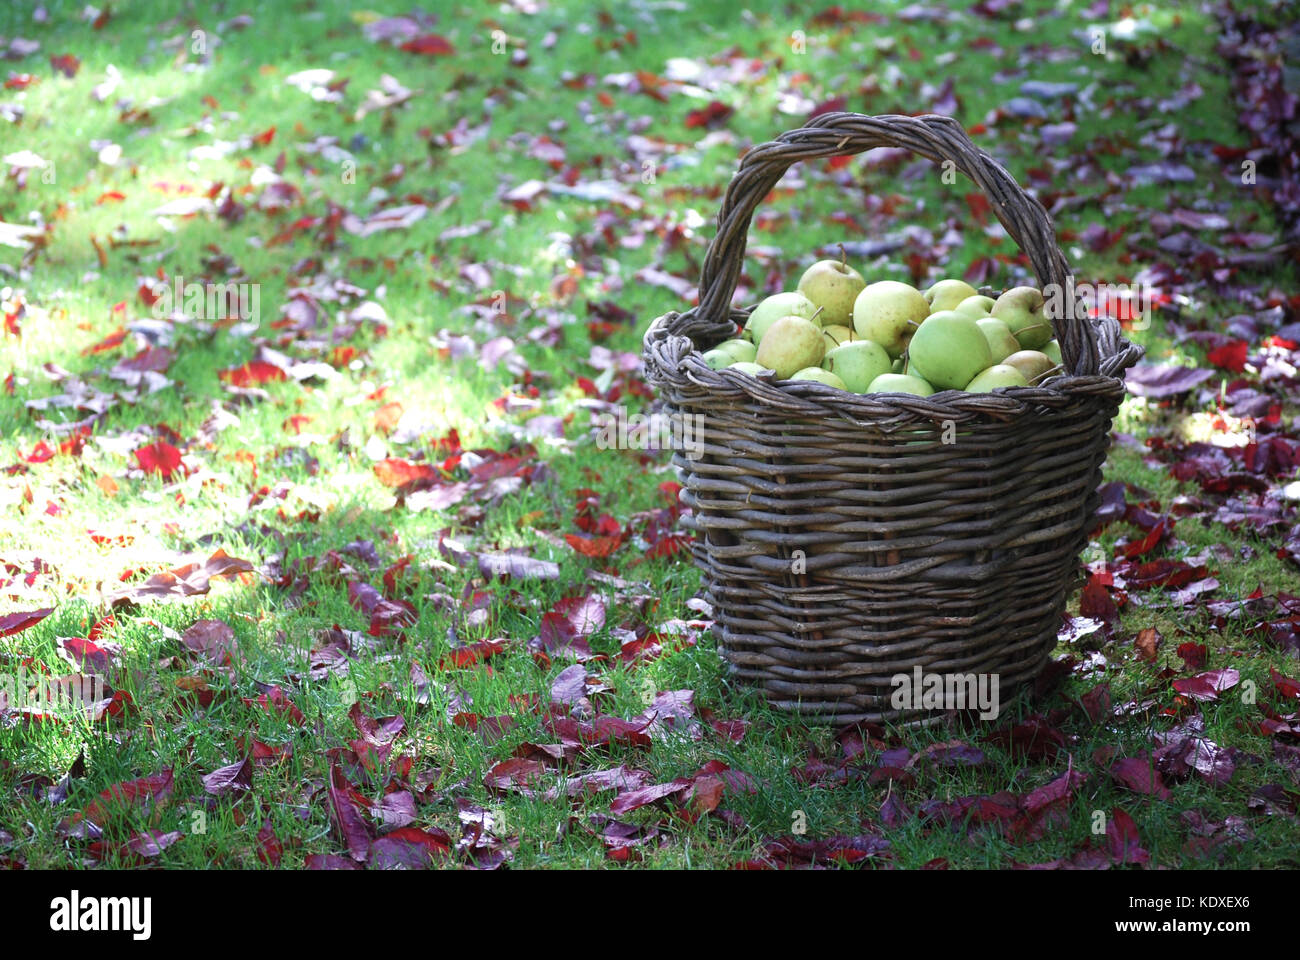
261, 490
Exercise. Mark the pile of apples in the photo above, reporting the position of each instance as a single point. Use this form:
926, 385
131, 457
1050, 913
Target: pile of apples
889, 337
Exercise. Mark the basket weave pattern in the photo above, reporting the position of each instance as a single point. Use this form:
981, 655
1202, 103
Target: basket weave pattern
844, 538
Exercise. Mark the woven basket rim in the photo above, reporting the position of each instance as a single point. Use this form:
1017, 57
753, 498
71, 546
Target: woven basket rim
1094, 350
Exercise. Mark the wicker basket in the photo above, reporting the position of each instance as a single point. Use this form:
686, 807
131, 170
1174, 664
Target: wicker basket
842, 541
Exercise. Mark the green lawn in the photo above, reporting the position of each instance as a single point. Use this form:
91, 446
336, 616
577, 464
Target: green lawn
565, 187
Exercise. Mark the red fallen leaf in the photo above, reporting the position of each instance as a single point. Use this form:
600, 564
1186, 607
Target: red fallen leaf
130, 793
570, 686
265, 137
377, 732
160, 458
593, 546
409, 848
471, 654
346, 817
388, 416
86, 655
713, 115
1095, 602
110, 196
212, 639
236, 778
40, 453
585, 614
1122, 839
329, 861
66, 64
1140, 776
1046, 806
429, 45
12, 623
274, 701
1194, 654
1035, 739
1170, 574
793, 852
1147, 643
111, 342
604, 730
1148, 543
402, 473
185, 581
515, 774
146, 844
598, 781
1230, 356
254, 373
1285, 685
269, 848
385, 615
635, 799
1207, 686
101, 627
261, 753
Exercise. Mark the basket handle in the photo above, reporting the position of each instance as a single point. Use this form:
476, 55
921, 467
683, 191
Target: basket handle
934, 137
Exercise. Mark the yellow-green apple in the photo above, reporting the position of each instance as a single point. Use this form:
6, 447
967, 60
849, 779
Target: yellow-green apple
1001, 342
948, 350
774, 308
900, 383
833, 285
836, 334
717, 359
889, 312
1053, 349
819, 375
789, 345
857, 363
1031, 363
1021, 309
998, 375
739, 349
976, 306
946, 294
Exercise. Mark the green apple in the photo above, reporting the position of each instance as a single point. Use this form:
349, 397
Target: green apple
789, 345
998, 375
836, 334
1021, 308
948, 350
774, 308
857, 363
739, 349
976, 306
889, 312
833, 285
753, 369
1001, 342
717, 359
900, 383
897, 366
820, 375
1053, 349
1030, 363
946, 294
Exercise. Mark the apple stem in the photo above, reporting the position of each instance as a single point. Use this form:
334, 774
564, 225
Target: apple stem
815, 313
1045, 374
1034, 326
844, 256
